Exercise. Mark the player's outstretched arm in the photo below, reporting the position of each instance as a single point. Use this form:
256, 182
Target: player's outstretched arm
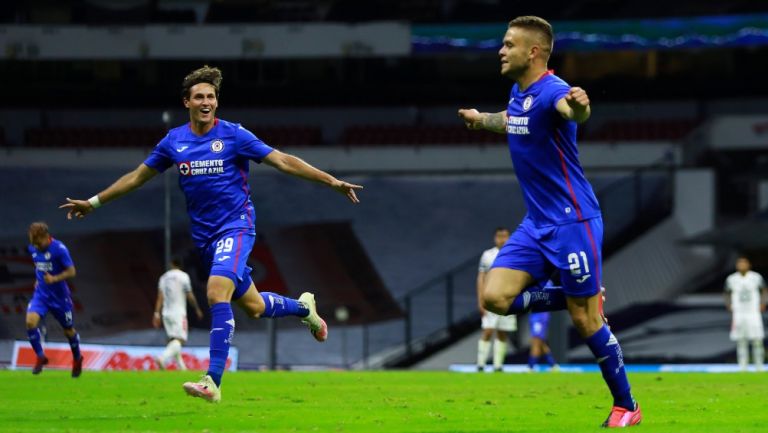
494, 122
575, 105
297, 167
127, 183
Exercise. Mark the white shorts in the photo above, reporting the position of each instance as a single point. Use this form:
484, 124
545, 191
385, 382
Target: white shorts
747, 327
502, 323
175, 326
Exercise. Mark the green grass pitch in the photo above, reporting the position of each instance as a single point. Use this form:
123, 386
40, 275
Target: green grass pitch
375, 402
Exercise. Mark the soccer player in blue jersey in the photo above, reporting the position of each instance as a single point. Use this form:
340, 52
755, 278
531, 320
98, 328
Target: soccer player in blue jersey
53, 267
538, 324
563, 228
212, 157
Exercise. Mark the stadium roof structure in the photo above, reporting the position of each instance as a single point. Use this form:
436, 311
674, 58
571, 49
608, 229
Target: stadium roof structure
750, 234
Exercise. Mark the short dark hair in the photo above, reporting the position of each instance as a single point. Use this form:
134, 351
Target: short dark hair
743, 256
177, 261
206, 74
539, 25
38, 228
501, 229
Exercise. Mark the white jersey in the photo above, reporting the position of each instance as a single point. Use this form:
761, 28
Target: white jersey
174, 285
486, 260
745, 293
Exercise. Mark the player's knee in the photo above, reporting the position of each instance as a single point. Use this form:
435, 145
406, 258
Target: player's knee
32, 321
585, 324
216, 294
495, 303
70, 332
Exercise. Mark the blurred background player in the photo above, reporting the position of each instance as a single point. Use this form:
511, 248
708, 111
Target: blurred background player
492, 321
53, 266
563, 228
174, 290
213, 158
539, 326
745, 298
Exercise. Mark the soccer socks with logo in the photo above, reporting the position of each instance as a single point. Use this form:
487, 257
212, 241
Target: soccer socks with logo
34, 340
537, 299
222, 331
607, 351
483, 347
281, 306
74, 344
499, 353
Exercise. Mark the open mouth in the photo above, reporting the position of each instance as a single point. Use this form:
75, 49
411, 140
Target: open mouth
205, 110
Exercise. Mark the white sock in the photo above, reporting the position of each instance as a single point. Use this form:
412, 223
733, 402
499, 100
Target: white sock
499, 353
171, 349
758, 353
179, 360
742, 353
483, 347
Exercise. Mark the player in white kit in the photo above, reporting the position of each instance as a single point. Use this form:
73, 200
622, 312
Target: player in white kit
491, 321
174, 291
746, 297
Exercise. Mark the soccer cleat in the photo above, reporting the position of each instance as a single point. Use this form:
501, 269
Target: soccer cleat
621, 417
555, 368
160, 363
77, 367
41, 361
205, 388
317, 325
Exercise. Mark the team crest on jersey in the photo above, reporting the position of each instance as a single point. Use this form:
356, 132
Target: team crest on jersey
47, 256
527, 102
217, 146
184, 168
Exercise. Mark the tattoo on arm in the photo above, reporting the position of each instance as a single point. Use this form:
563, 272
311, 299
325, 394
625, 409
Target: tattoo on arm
496, 122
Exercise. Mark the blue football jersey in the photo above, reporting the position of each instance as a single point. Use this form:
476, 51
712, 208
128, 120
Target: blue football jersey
543, 148
213, 174
53, 260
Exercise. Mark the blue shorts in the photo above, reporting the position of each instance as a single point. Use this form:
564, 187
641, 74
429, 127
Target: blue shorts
573, 249
539, 324
61, 311
227, 256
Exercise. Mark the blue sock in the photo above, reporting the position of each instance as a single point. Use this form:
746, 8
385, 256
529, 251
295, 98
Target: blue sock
222, 331
549, 359
606, 349
34, 340
538, 299
74, 343
281, 306
531, 361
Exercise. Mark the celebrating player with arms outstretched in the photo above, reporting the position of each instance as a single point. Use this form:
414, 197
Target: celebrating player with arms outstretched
212, 157
563, 228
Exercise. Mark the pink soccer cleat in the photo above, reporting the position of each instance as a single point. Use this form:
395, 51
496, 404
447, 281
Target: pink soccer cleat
621, 417
206, 389
316, 324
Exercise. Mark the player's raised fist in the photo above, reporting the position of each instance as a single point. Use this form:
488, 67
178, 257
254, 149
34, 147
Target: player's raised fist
577, 98
471, 117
